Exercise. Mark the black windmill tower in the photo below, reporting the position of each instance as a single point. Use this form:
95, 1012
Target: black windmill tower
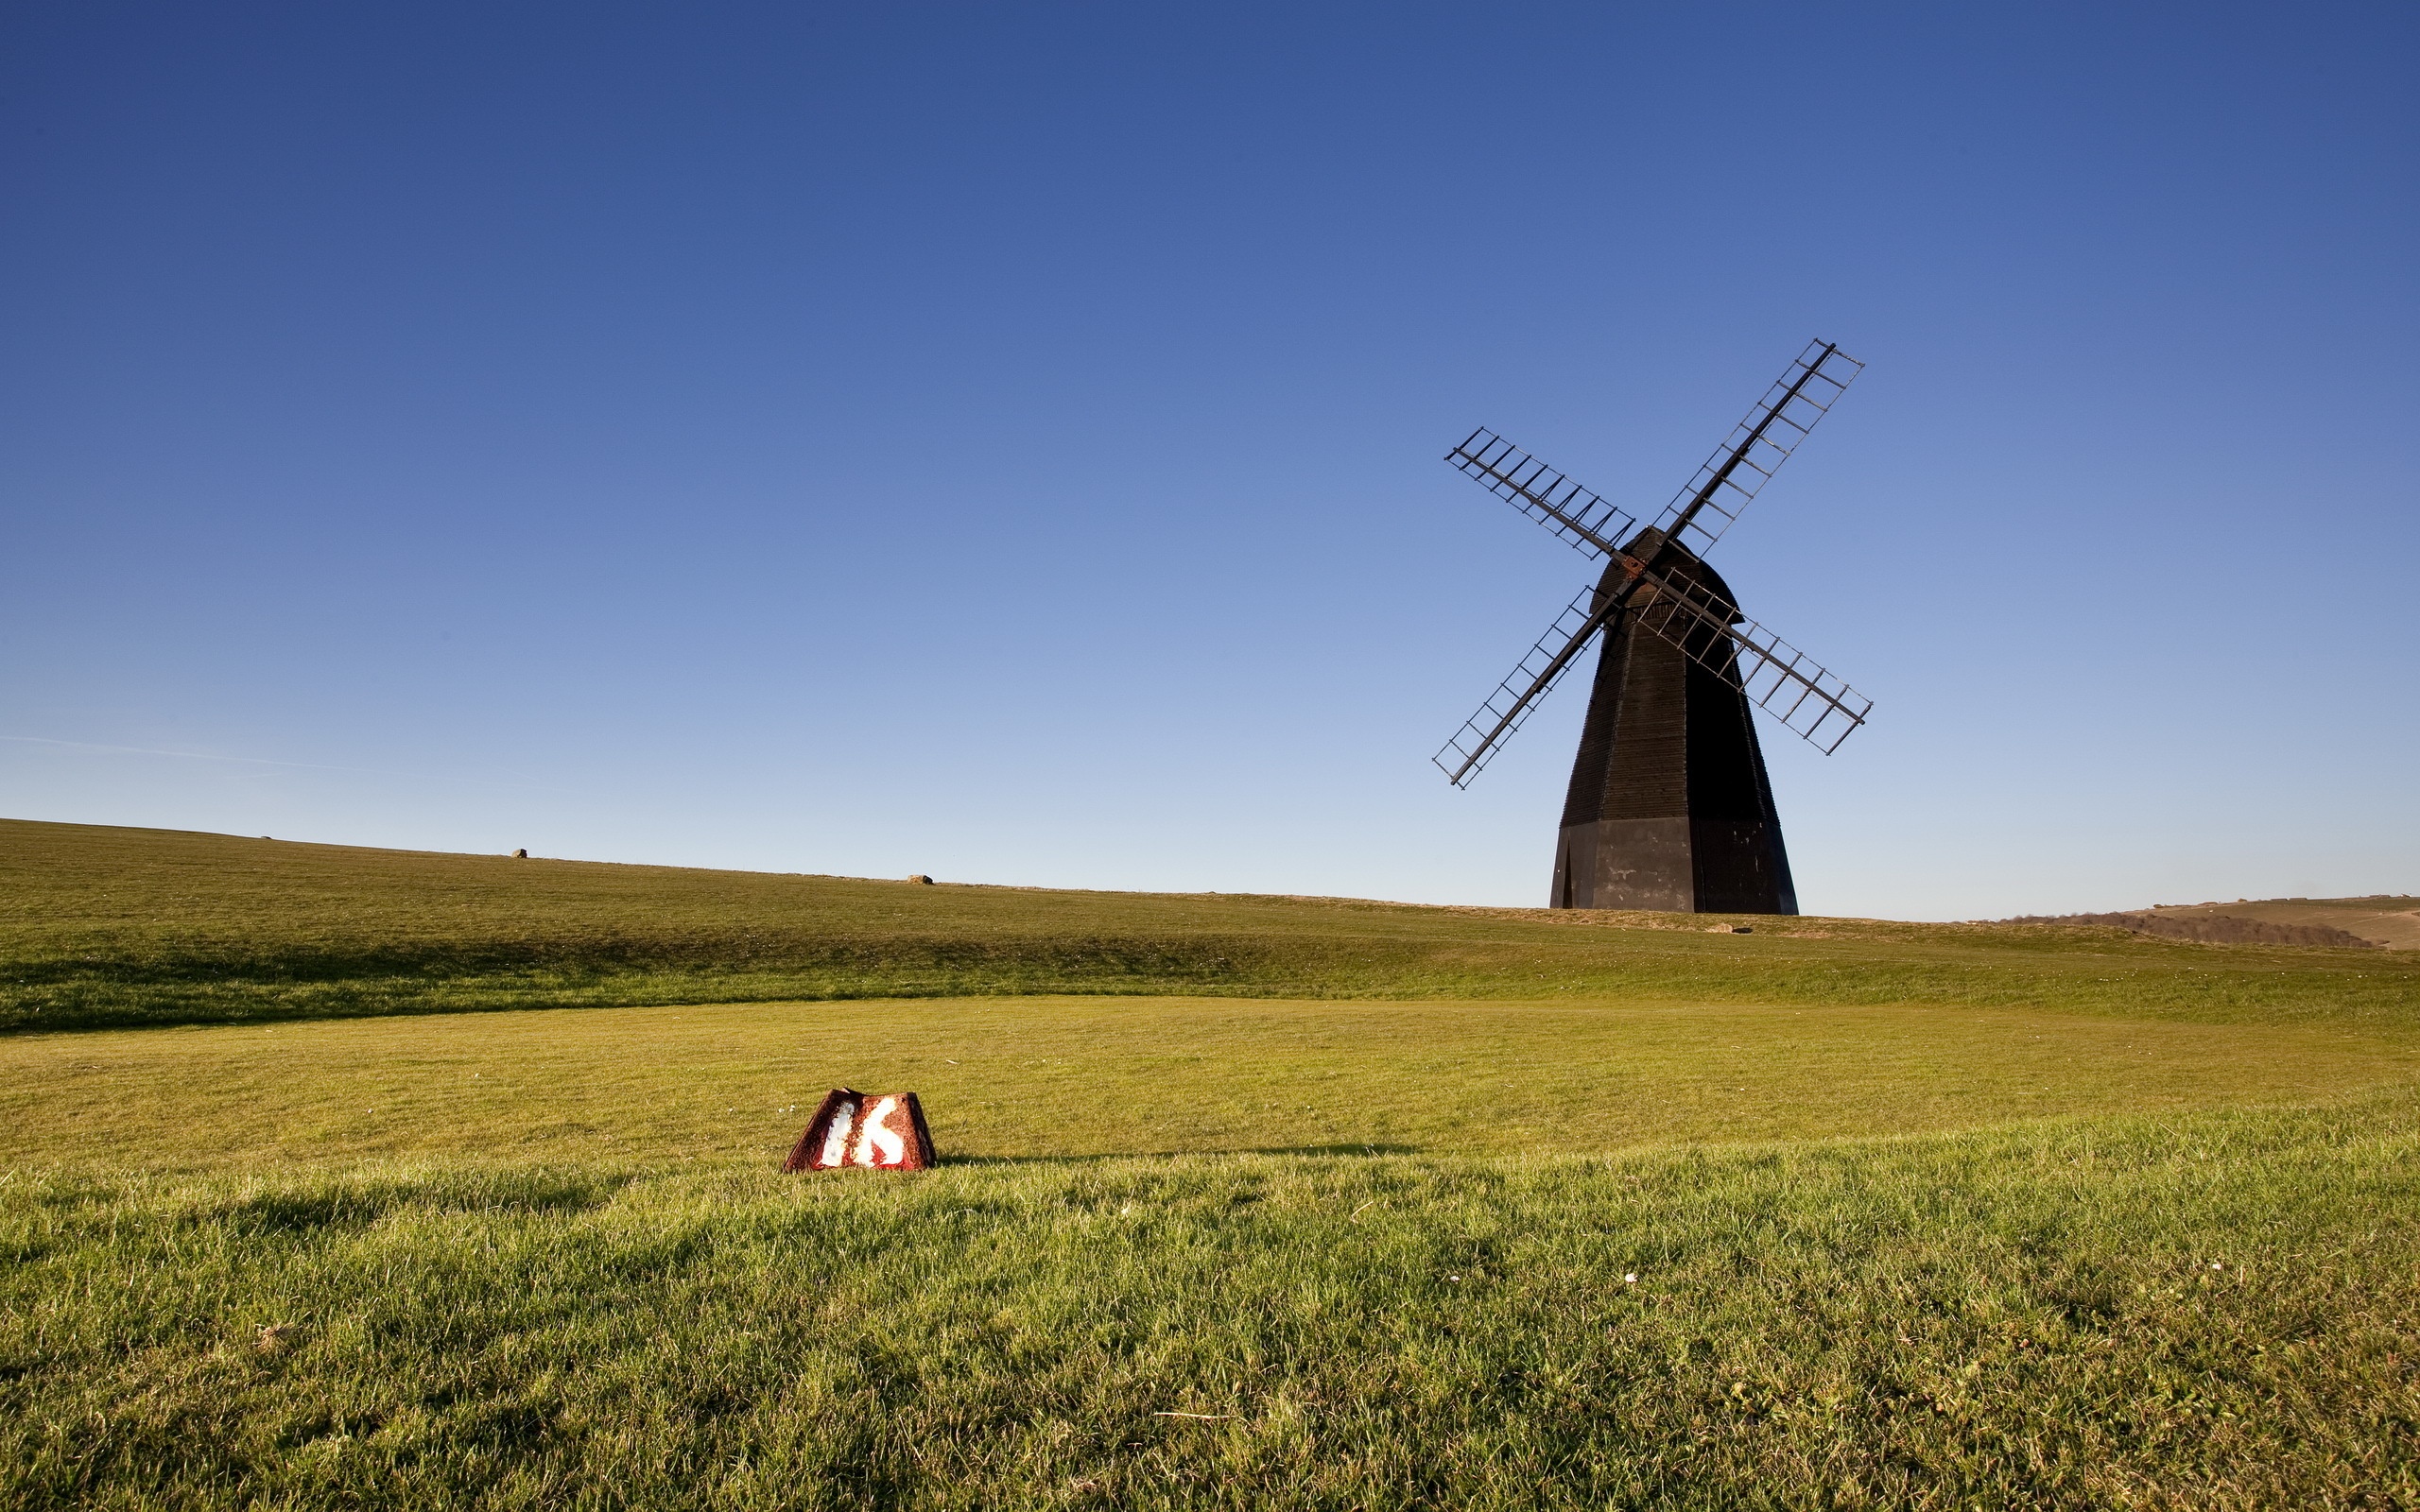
1669, 807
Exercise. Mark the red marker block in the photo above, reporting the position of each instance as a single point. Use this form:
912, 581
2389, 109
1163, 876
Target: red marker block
879, 1131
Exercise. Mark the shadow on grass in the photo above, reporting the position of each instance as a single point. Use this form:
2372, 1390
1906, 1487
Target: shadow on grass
1371, 1150
356, 1202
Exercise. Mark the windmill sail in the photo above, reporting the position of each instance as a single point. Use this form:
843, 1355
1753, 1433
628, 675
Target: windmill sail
1758, 445
1778, 678
1648, 582
1593, 527
1484, 733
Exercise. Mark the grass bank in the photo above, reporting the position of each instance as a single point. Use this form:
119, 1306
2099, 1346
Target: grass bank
104, 927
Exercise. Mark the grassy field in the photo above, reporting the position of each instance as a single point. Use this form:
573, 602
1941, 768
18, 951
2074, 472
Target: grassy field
1413, 1207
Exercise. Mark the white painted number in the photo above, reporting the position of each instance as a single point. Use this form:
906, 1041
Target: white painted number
881, 1145
836, 1140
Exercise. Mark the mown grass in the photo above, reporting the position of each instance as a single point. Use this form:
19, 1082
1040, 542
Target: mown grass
2210, 1311
111, 927
1029, 1076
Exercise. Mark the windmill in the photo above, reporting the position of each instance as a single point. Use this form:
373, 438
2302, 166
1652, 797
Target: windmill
1669, 807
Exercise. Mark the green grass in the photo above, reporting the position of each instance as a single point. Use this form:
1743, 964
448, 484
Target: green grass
102, 927
2024, 1318
1013, 1077
1919, 1216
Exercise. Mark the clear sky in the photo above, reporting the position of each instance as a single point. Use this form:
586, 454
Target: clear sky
1002, 441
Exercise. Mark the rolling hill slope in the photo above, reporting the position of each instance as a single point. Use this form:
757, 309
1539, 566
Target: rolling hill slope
103, 926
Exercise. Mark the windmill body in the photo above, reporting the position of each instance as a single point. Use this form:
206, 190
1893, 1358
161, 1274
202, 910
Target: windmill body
1669, 807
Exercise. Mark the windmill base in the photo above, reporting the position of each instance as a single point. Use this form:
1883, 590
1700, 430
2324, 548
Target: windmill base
1679, 865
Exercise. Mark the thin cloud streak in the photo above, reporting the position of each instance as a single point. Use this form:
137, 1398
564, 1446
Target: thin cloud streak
249, 761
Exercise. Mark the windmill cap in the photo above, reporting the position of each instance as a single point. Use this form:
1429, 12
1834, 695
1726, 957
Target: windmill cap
1680, 563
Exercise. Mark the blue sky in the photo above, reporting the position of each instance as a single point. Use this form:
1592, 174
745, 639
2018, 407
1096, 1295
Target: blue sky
1003, 442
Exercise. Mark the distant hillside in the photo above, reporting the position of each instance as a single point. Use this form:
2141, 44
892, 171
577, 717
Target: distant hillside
2215, 929
2391, 923
102, 926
